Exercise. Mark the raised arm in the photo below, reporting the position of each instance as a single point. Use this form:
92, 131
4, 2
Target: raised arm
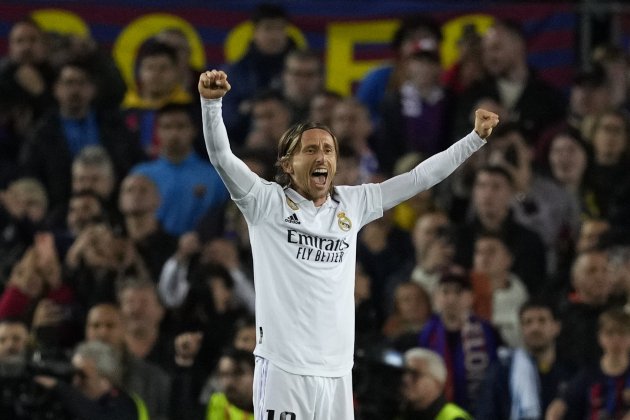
436, 168
238, 178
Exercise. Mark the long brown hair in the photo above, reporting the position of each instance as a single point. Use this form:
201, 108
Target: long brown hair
288, 144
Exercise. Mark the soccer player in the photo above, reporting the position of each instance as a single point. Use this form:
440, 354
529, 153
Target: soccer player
303, 233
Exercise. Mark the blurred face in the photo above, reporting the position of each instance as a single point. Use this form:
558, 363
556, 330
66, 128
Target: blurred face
590, 233
301, 79
589, 100
614, 339
140, 307
452, 301
590, 277
98, 179
610, 140
245, 339
74, 92
539, 329
427, 228
501, 51
321, 108
26, 44
491, 257
104, 323
157, 76
176, 133
412, 304
270, 35
492, 194
27, 202
568, 160
138, 195
420, 389
351, 121
271, 118
87, 380
236, 382
423, 73
13, 339
82, 212
313, 165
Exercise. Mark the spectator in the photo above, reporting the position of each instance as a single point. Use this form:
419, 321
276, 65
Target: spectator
143, 314
270, 116
157, 85
259, 69
105, 323
412, 309
416, 117
350, 121
302, 78
589, 277
468, 68
321, 106
424, 381
467, 343
13, 340
70, 127
188, 185
388, 78
600, 390
139, 200
493, 192
23, 207
522, 384
498, 292
95, 392
531, 102
177, 39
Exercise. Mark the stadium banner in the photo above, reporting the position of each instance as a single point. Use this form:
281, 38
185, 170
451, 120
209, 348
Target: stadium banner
351, 36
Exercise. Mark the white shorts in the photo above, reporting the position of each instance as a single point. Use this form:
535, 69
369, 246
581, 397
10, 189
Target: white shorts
280, 395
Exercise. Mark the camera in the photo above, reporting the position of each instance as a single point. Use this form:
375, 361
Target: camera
22, 398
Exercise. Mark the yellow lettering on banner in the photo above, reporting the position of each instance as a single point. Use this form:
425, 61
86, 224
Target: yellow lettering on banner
238, 39
60, 21
452, 31
341, 68
138, 31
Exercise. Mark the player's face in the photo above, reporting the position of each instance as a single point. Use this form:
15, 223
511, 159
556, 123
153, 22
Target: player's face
313, 167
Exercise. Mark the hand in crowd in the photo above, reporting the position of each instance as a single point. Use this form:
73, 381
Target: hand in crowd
187, 346
95, 245
47, 313
26, 277
485, 121
30, 79
213, 84
189, 245
47, 259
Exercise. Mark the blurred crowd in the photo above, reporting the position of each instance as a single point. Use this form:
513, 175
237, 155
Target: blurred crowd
501, 293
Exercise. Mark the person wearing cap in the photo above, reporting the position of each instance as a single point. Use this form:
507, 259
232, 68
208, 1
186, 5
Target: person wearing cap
424, 379
415, 117
467, 343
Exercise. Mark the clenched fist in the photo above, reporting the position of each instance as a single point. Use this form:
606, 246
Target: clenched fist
485, 121
213, 84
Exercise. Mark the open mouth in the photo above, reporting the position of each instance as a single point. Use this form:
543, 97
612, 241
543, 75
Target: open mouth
320, 175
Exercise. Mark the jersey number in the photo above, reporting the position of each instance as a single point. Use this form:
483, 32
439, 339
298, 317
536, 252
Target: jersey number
285, 415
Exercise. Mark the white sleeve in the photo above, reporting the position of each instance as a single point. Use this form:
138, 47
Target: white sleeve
429, 172
173, 285
236, 176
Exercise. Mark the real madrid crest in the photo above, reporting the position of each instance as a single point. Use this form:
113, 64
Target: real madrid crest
292, 204
344, 222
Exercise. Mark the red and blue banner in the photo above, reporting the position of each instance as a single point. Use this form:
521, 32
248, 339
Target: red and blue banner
352, 36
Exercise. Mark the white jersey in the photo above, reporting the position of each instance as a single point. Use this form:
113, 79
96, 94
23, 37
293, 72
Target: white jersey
304, 256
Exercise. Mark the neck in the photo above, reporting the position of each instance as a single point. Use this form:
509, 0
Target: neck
140, 226
544, 357
74, 113
177, 158
614, 364
519, 73
453, 322
492, 222
500, 280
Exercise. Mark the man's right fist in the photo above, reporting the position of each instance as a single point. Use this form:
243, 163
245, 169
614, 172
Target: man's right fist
213, 84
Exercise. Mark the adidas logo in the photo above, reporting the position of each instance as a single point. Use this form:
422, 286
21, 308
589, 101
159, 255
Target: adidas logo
292, 219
